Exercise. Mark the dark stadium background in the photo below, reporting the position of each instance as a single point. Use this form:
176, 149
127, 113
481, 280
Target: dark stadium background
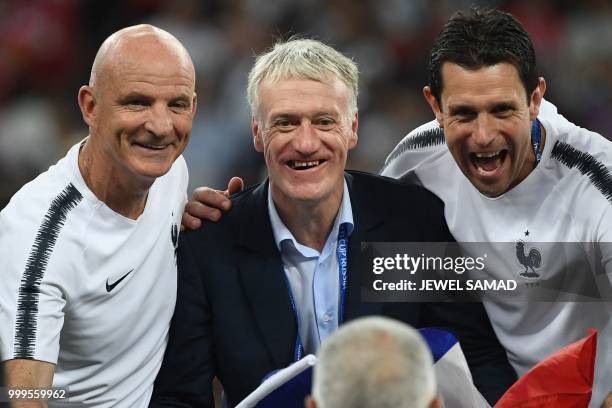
47, 47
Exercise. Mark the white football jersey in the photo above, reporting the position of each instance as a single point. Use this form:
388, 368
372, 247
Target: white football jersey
566, 198
88, 289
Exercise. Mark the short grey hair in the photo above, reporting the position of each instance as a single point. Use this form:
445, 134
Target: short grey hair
374, 362
302, 58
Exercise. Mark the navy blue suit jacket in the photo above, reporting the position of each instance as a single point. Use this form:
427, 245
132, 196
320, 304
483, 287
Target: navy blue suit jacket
234, 319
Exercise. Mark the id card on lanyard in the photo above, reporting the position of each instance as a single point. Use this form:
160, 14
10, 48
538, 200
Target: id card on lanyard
341, 254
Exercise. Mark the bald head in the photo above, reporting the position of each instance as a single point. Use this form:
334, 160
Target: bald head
139, 106
142, 42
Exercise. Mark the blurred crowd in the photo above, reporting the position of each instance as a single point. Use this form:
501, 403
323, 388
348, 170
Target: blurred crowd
47, 47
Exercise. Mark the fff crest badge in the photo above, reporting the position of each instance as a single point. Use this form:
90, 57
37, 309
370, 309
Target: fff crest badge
529, 257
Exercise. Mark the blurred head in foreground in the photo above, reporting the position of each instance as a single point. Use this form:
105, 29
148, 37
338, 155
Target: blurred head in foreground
374, 362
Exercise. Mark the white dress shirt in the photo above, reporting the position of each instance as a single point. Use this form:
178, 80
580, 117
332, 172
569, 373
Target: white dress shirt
313, 276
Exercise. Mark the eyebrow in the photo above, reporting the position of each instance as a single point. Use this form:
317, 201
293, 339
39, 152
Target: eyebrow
461, 110
140, 96
283, 115
468, 109
502, 106
292, 115
131, 96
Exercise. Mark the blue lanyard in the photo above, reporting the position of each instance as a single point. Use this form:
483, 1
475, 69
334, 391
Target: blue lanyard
536, 139
298, 352
341, 253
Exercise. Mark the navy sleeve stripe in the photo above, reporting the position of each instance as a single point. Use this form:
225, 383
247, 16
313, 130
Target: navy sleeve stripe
29, 289
426, 138
587, 165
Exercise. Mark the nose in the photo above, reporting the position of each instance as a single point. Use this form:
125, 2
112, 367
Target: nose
159, 122
483, 133
306, 140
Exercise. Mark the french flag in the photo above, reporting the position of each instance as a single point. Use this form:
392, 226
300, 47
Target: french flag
562, 380
453, 377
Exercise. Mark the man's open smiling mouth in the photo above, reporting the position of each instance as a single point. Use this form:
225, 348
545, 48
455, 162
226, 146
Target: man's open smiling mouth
304, 165
488, 162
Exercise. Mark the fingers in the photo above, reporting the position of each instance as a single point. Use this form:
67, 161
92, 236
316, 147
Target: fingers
209, 199
196, 212
234, 186
190, 222
206, 204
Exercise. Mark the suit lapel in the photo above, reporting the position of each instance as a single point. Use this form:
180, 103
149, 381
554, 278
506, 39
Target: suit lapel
367, 221
262, 272
262, 275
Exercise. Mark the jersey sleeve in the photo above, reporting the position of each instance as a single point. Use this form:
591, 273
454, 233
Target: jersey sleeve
415, 149
35, 274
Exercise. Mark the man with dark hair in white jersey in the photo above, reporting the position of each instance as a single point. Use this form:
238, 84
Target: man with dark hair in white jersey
511, 169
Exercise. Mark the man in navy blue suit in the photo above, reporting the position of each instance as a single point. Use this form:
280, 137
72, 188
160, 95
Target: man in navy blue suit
280, 272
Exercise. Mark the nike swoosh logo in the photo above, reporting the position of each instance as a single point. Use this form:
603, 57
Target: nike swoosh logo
111, 286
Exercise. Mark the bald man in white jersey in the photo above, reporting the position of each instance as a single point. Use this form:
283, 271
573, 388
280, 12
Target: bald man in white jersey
88, 247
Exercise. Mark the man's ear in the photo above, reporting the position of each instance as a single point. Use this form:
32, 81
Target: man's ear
434, 105
194, 104
257, 135
536, 99
87, 103
353, 138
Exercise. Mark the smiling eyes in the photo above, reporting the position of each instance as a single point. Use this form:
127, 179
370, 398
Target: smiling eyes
288, 123
139, 103
467, 114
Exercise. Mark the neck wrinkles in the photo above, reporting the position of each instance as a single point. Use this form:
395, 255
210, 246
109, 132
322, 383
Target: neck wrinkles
126, 197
